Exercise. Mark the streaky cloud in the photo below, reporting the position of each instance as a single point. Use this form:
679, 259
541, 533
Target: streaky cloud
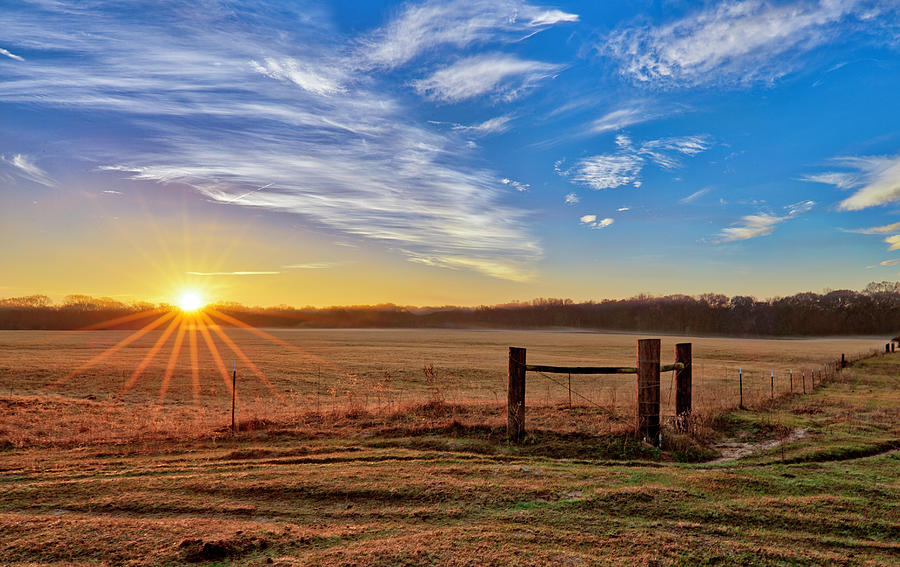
496, 125
11, 55
607, 171
761, 224
24, 166
503, 75
621, 118
876, 180
741, 42
228, 107
885, 229
232, 273
694, 196
312, 266
421, 28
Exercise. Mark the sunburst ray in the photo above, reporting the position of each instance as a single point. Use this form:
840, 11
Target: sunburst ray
240, 354
113, 349
259, 332
173, 359
123, 319
195, 360
151, 354
214, 351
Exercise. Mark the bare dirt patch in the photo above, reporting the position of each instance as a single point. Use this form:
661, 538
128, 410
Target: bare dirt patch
733, 449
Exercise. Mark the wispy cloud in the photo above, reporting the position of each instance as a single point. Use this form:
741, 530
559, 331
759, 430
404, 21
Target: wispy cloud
875, 178
24, 167
594, 223
761, 224
572, 199
281, 101
739, 42
517, 185
893, 241
11, 55
499, 74
303, 75
421, 28
885, 229
312, 266
618, 119
232, 273
885, 263
496, 125
607, 171
695, 195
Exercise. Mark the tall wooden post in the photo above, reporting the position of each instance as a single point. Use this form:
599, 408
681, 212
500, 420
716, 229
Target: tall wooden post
648, 389
741, 387
515, 404
683, 379
843, 361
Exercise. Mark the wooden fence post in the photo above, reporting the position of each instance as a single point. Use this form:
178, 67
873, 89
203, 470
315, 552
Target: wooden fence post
515, 405
683, 379
741, 388
648, 389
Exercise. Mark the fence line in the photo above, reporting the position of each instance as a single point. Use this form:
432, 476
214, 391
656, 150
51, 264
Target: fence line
647, 390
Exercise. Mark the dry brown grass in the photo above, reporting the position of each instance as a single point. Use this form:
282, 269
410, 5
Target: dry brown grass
398, 474
380, 369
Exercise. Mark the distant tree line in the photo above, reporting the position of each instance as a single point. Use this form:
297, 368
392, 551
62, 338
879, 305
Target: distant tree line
874, 310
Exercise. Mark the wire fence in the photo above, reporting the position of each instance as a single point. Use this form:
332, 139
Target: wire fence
715, 387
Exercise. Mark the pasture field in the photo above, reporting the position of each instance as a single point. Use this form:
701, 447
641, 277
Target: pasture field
368, 460
322, 371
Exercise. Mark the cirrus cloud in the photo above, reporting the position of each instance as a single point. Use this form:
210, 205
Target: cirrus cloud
740, 42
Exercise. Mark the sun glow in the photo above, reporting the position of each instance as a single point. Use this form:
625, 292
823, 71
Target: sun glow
190, 301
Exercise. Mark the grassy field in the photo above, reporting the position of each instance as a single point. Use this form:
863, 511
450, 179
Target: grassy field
436, 484
336, 371
420, 476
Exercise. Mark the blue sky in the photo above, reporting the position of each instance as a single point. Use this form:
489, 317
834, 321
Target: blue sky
448, 152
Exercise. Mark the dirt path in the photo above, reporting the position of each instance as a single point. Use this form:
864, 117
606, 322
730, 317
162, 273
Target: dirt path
732, 450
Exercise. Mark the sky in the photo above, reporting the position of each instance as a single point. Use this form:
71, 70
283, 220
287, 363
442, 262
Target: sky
454, 152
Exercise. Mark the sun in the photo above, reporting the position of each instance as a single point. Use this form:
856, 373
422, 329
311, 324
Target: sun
190, 300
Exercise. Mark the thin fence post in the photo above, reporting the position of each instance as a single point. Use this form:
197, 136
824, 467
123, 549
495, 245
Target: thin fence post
648, 389
515, 406
683, 379
741, 388
233, 395
772, 385
803, 378
792, 380
843, 361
